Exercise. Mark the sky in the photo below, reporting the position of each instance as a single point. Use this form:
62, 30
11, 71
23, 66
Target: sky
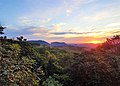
70, 21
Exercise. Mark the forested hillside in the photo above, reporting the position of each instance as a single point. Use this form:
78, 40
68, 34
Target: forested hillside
25, 64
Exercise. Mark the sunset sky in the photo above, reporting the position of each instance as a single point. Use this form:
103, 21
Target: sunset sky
71, 21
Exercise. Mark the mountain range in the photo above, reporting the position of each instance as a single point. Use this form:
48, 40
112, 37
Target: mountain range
63, 44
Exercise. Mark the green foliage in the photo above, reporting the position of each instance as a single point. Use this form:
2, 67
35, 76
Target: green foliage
25, 64
15, 68
51, 82
98, 67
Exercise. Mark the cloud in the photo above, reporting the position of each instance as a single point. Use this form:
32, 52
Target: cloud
39, 31
97, 16
80, 39
46, 20
36, 32
12, 27
57, 27
75, 34
116, 32
63, 33
25, 21
113, 24
71, 5
28, 21
68, 12
95, 33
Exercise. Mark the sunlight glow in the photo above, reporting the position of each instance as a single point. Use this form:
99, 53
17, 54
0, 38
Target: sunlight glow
96, 42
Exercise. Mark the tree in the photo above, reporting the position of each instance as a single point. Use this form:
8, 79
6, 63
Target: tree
21, 38
1, 29
115, 40
51, 82
112, 45
16, 68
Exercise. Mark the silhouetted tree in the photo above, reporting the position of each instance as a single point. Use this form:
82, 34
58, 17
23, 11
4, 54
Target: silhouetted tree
1, 37
114, 40
1, 29
21, 38
5, 37
25, 39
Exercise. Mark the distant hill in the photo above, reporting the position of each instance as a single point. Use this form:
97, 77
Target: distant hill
59, 44
63, 44
41, 42
53, 44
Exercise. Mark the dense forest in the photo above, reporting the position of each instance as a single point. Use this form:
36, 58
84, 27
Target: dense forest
26, 64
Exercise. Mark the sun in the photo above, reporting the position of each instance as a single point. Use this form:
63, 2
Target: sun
95, 42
